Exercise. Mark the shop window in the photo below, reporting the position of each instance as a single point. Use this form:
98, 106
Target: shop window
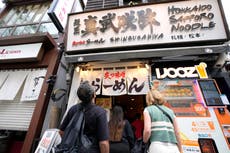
48, 27
30, 29
5, 32
27, 19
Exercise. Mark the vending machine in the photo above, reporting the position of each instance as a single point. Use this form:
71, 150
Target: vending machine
200, 108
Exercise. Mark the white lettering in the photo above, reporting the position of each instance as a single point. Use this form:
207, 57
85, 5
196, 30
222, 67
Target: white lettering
181, 72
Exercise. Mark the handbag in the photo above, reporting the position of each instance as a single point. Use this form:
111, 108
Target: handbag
140, 146
74, 140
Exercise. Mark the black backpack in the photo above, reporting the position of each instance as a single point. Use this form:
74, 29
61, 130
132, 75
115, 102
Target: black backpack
74, 140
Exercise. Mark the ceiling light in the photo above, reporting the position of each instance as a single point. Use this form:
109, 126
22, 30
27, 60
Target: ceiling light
208, 50
77, 68
147, 66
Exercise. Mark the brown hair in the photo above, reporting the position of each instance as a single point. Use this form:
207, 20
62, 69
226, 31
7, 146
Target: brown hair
116, 124
154, 97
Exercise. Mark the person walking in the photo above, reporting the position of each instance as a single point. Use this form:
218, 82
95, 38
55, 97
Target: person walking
121, 135
96, 125
158, 129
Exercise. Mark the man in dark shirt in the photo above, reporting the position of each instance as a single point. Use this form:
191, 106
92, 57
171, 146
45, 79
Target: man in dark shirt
96, 124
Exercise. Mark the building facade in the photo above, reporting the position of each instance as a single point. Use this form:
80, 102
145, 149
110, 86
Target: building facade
123, 48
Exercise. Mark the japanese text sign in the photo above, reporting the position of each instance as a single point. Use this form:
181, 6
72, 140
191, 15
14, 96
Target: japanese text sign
176, 22
118, 82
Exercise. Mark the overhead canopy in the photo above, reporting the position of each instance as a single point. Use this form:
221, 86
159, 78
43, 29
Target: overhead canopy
159, 53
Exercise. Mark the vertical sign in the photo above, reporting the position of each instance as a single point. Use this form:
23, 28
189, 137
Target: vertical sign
59, 11
33, 85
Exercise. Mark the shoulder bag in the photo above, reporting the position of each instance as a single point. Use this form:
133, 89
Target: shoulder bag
74, 140
140, 146
165, 113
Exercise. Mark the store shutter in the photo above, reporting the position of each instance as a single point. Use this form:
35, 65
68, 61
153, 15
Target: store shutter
16, 112
16, 116
98, 4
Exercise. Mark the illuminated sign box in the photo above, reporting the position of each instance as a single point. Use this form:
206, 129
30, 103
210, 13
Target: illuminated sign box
152, 24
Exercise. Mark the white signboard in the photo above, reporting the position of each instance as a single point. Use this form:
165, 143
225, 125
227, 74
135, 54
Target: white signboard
176, 22
114, 82
25, 51
49, 139
33, 85
59, 13
12, 84
3, 77
118, 82
94, 78
137, 81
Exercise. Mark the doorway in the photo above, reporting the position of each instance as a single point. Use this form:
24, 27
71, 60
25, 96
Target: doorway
131, 105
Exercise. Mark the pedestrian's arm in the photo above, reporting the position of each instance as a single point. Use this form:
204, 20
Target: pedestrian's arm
147, 126
104, 146
103, 133
177, 133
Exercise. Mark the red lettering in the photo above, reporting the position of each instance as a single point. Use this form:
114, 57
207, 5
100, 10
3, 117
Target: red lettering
2, 52
45, 143
63, 10
75, 43
107, 75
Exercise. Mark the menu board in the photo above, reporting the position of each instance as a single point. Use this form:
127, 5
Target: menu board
210, 92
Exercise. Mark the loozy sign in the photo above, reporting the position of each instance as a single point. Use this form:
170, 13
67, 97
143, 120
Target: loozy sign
183, 72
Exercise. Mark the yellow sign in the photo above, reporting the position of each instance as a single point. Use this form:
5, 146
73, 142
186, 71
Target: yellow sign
104, 102
201, 70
